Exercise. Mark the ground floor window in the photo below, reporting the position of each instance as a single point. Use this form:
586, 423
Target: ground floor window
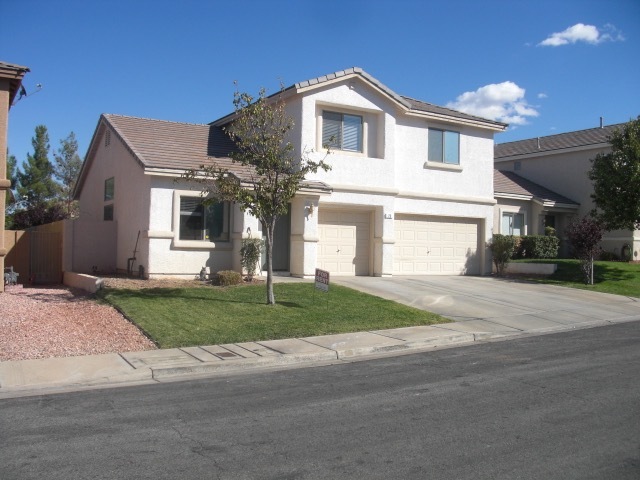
512, 224
206, 222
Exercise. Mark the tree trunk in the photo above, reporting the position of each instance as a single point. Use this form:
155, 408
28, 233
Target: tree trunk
270, 227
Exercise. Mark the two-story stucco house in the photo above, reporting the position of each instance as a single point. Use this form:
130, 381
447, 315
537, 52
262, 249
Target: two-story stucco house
410, 190
556, 163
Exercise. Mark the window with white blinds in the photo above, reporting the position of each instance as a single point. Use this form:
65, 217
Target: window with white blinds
342, 131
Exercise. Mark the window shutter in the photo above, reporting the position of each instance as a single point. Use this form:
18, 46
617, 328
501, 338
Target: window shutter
331, 123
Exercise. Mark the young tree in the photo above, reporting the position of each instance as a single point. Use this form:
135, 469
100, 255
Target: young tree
585, 236
36, 184
616, 180
260, 131
9, 195
67, 167
502, 248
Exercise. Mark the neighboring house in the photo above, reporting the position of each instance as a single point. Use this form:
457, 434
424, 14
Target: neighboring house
556, 163
410, 190
10, 82
526, 208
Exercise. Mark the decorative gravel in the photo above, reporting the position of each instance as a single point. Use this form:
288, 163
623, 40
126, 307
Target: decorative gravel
60, 322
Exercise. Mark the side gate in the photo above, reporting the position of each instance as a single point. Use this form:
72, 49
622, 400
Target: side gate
45, 262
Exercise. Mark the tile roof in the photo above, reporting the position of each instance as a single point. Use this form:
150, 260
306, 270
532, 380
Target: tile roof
176, 147
173, 145
410, 104
510, 183
430, 108
580, 138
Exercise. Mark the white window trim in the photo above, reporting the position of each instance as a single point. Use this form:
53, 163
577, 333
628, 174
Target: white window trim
196, 244
447, 166
442, 166
514, 211
320, 108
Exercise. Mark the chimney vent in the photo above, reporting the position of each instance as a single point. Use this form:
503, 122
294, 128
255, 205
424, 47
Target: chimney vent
601, 122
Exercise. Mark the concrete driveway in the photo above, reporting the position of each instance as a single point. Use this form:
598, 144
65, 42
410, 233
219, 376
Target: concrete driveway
499, 305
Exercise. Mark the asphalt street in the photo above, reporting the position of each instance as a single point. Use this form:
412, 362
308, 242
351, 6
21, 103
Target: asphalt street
561, 406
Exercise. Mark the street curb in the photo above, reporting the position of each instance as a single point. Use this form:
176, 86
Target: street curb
158, 373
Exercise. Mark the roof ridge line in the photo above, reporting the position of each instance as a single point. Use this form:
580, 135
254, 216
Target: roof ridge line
155, 119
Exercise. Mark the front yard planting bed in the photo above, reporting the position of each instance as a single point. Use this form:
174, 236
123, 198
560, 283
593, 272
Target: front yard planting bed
179, 317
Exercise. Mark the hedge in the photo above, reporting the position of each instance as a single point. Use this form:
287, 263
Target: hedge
537, 246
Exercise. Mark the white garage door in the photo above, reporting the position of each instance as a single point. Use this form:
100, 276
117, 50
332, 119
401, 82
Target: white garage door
435, 246
343, 248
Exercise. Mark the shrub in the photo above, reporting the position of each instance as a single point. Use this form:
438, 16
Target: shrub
250, 253
502, 247
585, 236
539, 246
608, 256
550, 231
225, 278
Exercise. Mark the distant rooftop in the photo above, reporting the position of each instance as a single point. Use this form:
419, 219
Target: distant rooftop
510, 183
579, 138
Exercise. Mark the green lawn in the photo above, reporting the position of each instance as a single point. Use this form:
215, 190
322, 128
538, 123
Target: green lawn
214, 315
609, 277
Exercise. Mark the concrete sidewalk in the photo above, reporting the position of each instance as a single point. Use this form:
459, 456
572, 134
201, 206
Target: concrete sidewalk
28, 377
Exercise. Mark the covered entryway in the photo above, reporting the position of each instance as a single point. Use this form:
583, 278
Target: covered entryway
344, 242
435, 246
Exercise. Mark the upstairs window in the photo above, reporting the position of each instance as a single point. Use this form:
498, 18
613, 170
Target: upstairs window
109, 189
203, 222
342, 131
444, 147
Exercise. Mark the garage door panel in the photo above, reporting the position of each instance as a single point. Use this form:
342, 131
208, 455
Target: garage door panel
343, 248
433, 245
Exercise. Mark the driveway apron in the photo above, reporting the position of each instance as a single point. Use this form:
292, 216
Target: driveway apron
501, 302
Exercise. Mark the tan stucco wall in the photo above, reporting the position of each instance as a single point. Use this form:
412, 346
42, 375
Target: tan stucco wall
567, 174
131, 198
4, 184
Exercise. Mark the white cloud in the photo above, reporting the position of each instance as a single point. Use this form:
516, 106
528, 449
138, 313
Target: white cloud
583, 33
542, 95
503, 102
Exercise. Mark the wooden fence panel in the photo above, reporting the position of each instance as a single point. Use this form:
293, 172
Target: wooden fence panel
17, 244
46, 257
35, 255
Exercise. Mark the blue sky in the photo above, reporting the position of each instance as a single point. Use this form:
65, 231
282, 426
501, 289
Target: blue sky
543, 66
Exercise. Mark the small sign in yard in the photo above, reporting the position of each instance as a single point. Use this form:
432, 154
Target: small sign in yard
322, 280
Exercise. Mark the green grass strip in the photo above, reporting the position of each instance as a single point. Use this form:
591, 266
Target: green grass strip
215, 315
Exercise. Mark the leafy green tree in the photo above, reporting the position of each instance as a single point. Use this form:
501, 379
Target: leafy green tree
67, 168
616, 180
275, 173
9, 195
35, 183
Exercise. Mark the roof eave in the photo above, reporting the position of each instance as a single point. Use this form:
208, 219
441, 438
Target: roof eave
490, 125
513, 196
557, 151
